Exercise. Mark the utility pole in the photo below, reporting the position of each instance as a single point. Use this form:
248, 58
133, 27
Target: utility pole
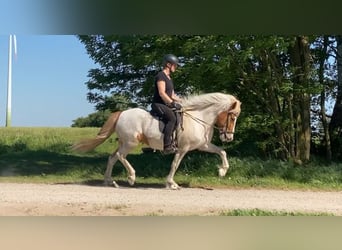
12, 40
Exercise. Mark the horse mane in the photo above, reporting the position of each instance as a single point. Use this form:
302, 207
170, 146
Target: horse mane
220, 100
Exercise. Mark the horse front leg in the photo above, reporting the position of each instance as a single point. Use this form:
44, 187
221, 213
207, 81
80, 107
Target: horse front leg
170, 183
211, 148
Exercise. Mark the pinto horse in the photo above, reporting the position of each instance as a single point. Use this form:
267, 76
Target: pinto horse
201, 114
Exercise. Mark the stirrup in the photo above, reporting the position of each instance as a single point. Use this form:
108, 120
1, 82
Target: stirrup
170, 150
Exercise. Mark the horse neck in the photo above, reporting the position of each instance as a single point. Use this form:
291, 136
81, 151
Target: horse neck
208, 114
210, 105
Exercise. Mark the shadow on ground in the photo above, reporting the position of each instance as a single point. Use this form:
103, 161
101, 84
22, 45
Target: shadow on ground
44, 162
123, 184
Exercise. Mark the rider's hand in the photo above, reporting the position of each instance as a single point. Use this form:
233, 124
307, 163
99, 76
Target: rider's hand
176, 105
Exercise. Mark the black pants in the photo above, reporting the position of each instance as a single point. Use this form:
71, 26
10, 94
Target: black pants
169, 118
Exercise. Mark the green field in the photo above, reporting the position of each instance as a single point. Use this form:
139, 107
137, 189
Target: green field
43, 155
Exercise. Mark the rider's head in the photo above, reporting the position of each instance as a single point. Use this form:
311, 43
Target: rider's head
170, 61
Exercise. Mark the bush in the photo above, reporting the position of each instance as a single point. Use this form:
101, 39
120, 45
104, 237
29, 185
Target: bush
96, 119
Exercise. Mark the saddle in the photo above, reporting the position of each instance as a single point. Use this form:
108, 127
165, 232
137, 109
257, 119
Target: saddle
179, 124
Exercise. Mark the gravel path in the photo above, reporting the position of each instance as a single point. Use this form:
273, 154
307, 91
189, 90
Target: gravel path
72, 199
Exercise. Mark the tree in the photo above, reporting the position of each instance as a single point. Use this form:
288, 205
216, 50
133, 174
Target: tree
322, 54
301, 59
105, 108
128, 65
261, 65
96, 119
336, 118
273, 76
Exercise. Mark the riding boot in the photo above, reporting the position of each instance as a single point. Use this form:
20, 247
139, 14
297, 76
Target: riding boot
169, 148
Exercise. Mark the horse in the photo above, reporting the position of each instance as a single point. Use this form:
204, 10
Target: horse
201, 114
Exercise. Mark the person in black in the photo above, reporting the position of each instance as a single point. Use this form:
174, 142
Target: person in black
165, 100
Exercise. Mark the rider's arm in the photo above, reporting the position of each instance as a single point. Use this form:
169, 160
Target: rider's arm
161, 90
175, 97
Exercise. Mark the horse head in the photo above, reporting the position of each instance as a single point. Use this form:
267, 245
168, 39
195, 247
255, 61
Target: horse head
226, 121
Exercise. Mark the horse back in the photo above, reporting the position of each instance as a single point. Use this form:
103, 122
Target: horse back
139, 123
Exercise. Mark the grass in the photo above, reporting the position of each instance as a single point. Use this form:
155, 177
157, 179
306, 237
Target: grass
253, 212
259, 212
43, 155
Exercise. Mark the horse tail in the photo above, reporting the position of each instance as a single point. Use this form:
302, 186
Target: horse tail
106, 131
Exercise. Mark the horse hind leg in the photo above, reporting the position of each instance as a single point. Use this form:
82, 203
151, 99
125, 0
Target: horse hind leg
120, 154
112, 159
129, 168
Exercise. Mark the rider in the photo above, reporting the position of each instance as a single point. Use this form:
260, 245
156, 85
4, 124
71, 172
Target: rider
165, 100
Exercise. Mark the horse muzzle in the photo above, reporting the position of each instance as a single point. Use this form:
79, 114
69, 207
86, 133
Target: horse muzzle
226, 136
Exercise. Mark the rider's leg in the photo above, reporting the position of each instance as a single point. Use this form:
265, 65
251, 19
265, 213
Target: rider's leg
170, 120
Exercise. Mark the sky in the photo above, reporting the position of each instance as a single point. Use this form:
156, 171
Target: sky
48, 80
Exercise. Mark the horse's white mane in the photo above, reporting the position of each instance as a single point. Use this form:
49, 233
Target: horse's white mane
220, 100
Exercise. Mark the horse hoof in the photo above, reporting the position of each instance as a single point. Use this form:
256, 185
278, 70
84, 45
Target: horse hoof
107, 183
172, 186
222, 172
115, 184
131, 180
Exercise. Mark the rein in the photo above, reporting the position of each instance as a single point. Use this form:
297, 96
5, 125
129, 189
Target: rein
199, 120
205, 123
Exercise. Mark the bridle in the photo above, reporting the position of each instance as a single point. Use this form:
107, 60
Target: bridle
223, 131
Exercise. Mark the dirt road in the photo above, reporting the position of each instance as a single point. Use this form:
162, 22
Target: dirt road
88, 200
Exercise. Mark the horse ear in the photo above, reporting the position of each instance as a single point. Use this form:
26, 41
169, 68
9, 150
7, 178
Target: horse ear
235, 107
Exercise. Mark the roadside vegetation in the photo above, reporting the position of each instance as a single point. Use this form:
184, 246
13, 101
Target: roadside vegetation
259, 212
43, 155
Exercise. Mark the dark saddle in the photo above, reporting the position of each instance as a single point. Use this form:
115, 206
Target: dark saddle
179, 123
